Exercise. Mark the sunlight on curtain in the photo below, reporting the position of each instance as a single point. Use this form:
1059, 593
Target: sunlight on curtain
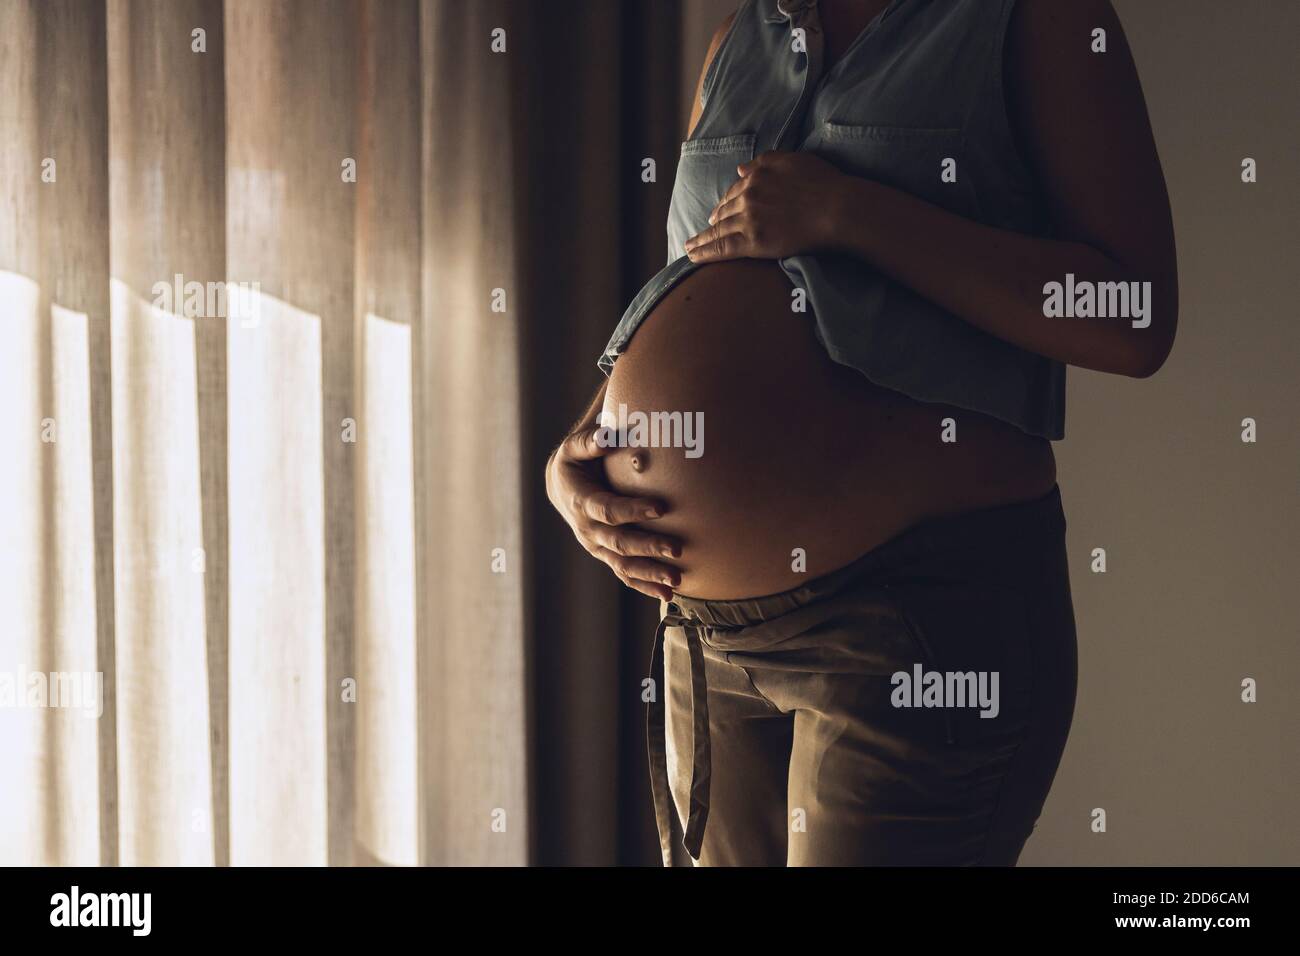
387, 768
274, 538
72, 733
47, 492
163, 149
277, 589
162, 684
53, 313
23, 819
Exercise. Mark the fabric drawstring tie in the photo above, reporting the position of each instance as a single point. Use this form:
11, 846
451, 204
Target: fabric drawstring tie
657, 739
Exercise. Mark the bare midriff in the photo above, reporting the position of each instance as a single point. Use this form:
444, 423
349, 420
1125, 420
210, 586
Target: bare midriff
804, 465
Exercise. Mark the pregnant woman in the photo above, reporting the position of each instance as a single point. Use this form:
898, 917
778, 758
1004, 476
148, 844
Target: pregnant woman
893, 226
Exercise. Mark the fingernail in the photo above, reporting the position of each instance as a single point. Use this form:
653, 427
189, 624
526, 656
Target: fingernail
653, 513
667, 552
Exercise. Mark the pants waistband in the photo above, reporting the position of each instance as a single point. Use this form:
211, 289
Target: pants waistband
988, 528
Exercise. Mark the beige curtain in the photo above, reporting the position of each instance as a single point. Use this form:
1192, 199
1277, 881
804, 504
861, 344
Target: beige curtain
294, 518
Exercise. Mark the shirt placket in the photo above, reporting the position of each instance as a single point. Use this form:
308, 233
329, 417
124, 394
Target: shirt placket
802, 15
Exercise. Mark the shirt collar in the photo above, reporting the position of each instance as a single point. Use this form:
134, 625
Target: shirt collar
790, 10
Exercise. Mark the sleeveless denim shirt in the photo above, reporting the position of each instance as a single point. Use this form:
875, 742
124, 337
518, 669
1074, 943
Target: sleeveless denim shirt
921, 85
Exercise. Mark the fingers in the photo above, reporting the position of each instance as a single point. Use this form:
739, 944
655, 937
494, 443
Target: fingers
732, 198
633, 543
641, 569
657, 591
707, 235
727, 209
642, 574
606, 507
726, 240
582, 495
585, 445
773, 157
596, 515
757, 173
733, 191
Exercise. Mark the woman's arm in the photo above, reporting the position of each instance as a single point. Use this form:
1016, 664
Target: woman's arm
1083, 124
697, 105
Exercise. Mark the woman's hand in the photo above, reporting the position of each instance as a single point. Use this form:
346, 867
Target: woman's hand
781, 206
601, 519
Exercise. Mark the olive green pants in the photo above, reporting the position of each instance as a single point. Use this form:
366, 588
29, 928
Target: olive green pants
910, 708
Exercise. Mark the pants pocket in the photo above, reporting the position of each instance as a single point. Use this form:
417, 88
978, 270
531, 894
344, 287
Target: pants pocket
974, 643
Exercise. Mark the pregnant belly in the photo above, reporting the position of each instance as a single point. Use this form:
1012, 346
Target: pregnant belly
776, 463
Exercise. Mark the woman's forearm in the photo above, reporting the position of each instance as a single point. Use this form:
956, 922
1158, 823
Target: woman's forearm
994, 279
